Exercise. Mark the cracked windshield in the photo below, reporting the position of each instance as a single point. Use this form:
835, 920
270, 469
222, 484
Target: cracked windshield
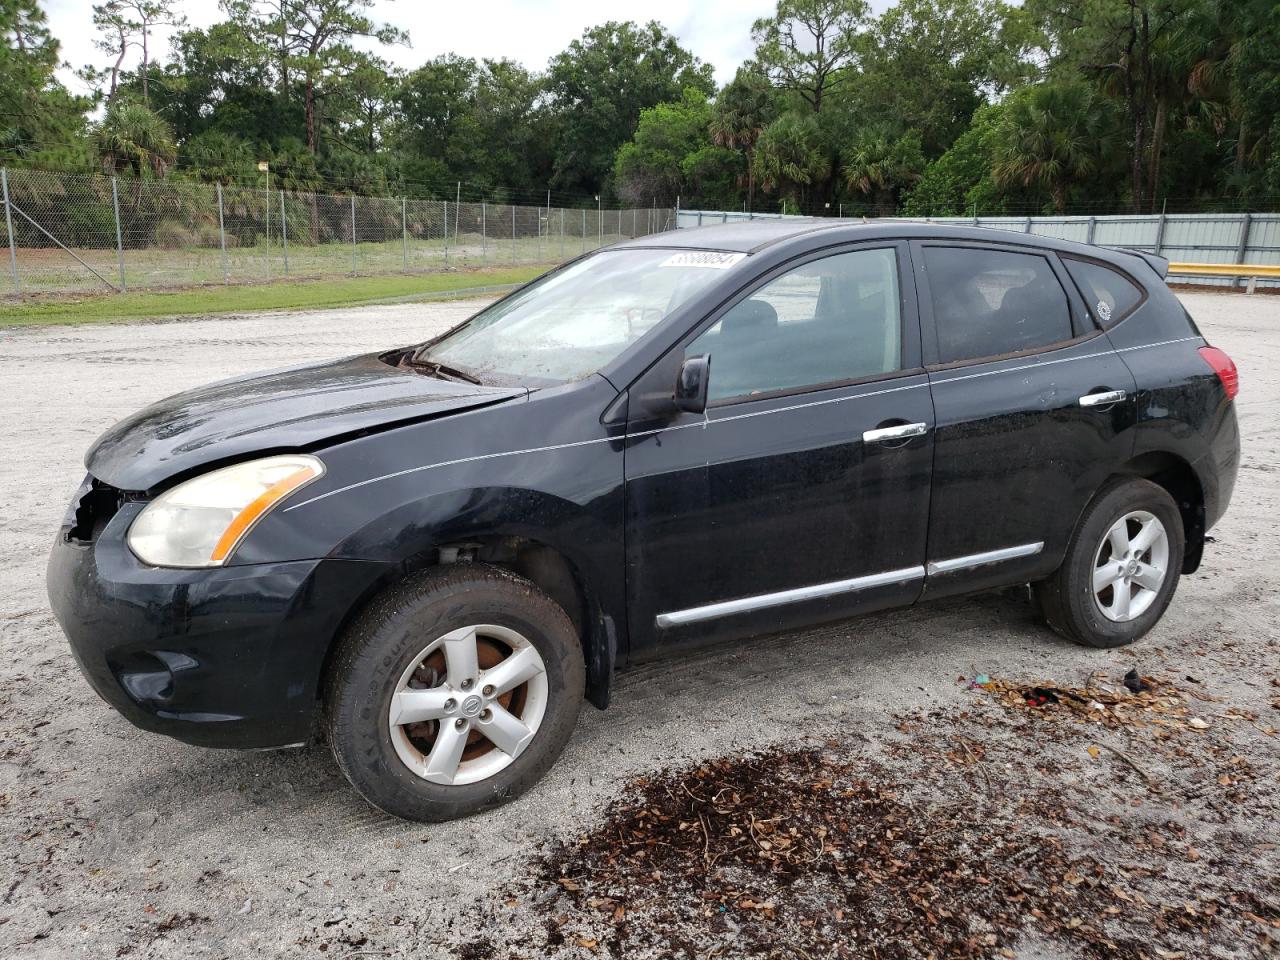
570, 324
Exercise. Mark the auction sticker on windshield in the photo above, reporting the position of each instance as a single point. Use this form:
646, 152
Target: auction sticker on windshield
703, 258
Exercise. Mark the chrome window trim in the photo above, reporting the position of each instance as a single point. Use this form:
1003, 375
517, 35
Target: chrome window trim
969, 561
765, 601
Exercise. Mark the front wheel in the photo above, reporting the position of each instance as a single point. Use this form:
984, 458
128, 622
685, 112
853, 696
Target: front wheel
1121, 568
455, 691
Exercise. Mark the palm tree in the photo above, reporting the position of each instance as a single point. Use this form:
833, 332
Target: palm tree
1053, 136
741, 112
880, 164
133, 139
791, 153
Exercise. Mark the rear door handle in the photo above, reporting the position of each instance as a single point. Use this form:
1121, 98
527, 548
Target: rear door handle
902, 431
1102, 399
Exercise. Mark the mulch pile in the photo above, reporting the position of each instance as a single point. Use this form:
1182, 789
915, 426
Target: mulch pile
945, 843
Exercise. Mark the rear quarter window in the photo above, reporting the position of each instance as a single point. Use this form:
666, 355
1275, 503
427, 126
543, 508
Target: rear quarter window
1110, 294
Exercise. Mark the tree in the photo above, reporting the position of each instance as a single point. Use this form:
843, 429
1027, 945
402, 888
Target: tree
133, 139
1053, 136
742, 110
792, 155
927, 65
808, 45
313, 39
37, 114
880, 164
668, 147
1120, 44
117, 36
598, 88
950, 185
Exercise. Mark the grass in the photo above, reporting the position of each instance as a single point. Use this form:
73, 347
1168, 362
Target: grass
212, 300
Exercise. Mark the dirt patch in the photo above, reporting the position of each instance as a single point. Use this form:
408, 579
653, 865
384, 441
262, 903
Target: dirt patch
961, 836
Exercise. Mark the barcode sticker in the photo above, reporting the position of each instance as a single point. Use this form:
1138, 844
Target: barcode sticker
707, 259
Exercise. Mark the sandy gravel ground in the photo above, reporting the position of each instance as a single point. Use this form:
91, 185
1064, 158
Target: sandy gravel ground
118, 843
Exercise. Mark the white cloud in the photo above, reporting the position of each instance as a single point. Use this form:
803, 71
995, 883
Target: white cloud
529, 31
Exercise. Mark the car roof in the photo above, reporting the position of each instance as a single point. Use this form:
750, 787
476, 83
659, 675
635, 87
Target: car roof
755, 235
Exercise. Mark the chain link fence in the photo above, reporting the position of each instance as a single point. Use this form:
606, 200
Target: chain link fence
68, 233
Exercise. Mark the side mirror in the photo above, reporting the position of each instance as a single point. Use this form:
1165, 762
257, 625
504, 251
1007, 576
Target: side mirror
691, 384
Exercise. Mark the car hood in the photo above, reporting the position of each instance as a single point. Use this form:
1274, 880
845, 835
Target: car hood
288, 409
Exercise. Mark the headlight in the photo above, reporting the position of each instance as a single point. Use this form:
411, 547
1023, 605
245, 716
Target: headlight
201, 522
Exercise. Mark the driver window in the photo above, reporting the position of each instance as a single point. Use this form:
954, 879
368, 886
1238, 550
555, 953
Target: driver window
827, 321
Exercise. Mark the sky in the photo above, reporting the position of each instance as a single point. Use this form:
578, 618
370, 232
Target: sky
529, 31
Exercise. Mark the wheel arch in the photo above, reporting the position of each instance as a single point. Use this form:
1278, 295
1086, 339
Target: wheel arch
1179, 479
561, 547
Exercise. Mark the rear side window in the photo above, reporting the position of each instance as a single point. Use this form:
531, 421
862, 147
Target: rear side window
1110, 294
992, 302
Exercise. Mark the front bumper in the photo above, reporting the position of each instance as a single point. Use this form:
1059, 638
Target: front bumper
225, 657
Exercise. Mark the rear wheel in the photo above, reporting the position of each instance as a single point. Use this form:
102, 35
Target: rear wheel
454, 692
1121, 568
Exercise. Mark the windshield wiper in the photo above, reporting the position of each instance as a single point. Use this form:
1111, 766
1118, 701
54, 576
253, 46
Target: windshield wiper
445, 372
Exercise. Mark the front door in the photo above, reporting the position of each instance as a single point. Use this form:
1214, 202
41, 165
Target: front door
802, 494
1034, 411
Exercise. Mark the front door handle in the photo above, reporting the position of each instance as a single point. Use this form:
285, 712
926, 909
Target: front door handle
902, 431
1102, 399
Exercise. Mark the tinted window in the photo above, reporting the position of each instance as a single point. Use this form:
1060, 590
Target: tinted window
829, 320
1110, 294
990, 302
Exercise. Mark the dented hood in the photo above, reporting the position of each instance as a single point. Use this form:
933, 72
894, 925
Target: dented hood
290, 409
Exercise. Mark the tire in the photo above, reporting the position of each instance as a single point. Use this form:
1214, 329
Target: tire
407, 653
1132, 604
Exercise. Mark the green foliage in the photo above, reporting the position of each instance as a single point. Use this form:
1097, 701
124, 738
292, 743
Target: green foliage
792, 155
1053, 136
807, 46
880, 164
930, 106
598, 88
133, 139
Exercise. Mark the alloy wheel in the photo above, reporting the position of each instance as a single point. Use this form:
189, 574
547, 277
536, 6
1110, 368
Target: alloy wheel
1130, 566
468, 704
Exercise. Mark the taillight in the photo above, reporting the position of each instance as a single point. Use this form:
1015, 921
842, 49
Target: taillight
1224, 368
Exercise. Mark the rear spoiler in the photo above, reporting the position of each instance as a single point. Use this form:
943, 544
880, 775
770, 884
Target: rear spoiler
1159, 264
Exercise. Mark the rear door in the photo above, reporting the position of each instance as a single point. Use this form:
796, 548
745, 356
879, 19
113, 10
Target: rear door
1034, 410
802, 494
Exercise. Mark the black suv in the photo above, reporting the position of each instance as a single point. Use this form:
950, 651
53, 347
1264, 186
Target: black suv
433, 554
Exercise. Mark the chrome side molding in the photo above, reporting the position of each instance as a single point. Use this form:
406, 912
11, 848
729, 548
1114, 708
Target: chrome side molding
983, 559
764, 601
817, 591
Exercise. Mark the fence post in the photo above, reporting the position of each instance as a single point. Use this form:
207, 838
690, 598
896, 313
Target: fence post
562, 234
404, 232
1027, 228
457, 212
513, 234
1243, 246
1093, 226
8, 225
353, 234
484, 231
284, 234
584, 230
445, 226
222, 238
115, 206
1160, 228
